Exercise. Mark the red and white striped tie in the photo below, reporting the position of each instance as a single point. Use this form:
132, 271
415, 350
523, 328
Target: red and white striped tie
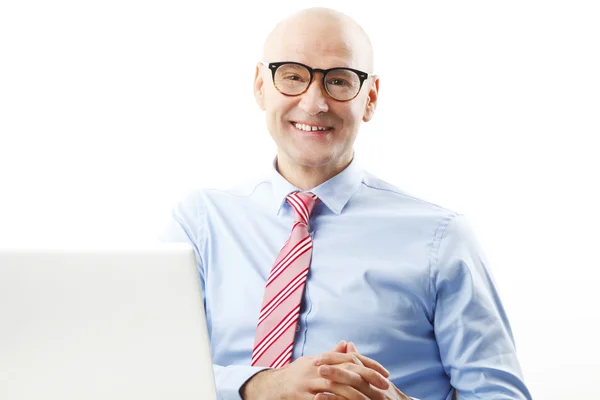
284, 289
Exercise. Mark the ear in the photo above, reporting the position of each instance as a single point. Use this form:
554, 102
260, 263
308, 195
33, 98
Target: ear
372, 97
258, 88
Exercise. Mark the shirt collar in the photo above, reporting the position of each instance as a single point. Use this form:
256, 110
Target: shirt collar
334, 193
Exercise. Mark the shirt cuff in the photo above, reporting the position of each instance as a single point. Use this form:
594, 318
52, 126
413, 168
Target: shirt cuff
230, 379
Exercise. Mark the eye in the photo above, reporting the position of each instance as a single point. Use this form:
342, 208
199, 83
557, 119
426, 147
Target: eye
338, 82
293, 77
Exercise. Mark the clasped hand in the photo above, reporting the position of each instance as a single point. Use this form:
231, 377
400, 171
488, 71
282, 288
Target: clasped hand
342, 374
357, 376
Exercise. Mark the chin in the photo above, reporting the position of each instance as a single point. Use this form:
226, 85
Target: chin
314, 160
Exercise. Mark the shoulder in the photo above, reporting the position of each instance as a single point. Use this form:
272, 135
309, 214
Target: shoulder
395, 197
454, 248
424, 220
201, 198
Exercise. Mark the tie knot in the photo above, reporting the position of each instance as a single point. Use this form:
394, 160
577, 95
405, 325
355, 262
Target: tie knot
302, 204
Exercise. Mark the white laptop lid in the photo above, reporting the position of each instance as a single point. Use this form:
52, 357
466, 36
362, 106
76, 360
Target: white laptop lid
103, 324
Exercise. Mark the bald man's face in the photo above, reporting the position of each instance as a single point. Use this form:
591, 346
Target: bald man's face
317, 44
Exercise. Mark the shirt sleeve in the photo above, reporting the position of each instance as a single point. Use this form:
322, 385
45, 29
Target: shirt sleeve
230, 379
186, 225
471, 327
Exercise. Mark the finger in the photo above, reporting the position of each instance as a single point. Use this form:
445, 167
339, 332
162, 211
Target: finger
340, 347
346, 392
332, 358
369, 375
327, 396
351, 348
370, 363
346, 378
356, 361
338, 358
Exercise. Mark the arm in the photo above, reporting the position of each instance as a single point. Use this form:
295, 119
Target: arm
231, 380
471, 326
186, 226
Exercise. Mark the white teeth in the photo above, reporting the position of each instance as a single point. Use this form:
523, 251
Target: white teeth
309, 128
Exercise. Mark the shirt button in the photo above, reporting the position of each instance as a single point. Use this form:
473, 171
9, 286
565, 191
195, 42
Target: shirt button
297, 327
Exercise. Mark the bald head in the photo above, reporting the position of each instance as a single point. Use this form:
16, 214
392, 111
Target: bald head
320, 34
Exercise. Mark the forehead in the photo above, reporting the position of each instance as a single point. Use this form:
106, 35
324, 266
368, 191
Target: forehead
320, 46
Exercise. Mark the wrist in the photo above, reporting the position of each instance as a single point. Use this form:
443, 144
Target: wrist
399, 393
255, 386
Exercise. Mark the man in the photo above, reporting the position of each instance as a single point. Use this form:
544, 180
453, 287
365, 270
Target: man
320, 280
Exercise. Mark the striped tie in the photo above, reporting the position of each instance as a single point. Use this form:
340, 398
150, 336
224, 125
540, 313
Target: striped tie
284, 288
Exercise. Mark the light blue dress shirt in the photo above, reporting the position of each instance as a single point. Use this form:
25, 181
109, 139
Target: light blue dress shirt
403, 279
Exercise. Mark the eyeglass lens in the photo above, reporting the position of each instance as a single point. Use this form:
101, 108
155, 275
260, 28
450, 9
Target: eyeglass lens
293, 79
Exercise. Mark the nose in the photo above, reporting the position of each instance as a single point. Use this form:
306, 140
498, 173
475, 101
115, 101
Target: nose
314, 100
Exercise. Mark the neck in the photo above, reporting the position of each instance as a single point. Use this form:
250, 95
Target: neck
307, 177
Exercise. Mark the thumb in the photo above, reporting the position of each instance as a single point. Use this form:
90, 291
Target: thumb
340, 347
351, 348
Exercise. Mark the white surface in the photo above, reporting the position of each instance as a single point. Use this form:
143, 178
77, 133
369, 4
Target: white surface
103, 324
110, 111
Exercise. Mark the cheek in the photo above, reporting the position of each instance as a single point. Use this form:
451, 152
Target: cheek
279, 109
277, 112
351, 115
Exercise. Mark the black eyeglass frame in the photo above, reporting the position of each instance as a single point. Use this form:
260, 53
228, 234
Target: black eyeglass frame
273, 66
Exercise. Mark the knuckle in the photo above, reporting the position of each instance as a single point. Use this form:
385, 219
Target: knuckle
358, 380
349, 366
355, 360
372, 375
335, 372
378, 395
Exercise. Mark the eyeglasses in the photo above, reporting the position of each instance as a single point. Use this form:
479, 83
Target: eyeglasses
293, 79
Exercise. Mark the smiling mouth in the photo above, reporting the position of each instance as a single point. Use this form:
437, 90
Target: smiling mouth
311, 128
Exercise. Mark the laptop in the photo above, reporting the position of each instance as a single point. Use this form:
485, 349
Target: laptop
104, 323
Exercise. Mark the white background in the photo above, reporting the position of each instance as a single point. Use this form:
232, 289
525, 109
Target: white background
111, 110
